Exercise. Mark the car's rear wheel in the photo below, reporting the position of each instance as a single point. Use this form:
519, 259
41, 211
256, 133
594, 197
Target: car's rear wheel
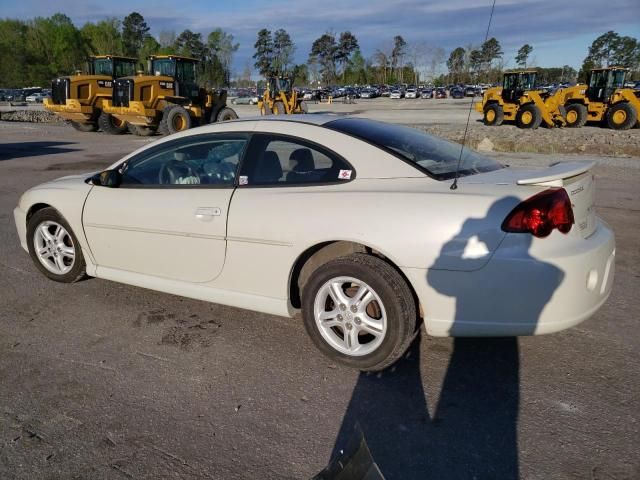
226, 114
622, 116
54, 248
359, 311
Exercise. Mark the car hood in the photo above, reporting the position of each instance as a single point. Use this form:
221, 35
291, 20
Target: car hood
70, 182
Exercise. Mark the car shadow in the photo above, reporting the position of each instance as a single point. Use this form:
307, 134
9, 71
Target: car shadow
10, 151
472, 430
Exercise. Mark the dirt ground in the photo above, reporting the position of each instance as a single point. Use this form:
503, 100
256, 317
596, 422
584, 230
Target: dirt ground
100, 380
448, 118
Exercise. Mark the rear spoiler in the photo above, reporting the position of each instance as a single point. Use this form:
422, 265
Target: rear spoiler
556, 173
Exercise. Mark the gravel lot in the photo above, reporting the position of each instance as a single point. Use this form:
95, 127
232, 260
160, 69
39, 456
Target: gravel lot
102, 380
446, 118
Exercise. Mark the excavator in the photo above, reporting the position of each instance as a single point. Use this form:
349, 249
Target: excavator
80, 98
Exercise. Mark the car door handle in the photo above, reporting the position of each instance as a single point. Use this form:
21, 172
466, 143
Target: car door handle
204, 213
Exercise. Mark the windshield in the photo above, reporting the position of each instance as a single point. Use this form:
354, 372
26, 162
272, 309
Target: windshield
432, 155
186, 72
617, 78
163, 66
124, 68
103, 66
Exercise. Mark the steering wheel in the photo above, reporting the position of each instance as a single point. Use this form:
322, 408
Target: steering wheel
171, 171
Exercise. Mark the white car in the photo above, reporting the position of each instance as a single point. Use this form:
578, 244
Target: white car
395, 94
411, 93
365, 228
36, 97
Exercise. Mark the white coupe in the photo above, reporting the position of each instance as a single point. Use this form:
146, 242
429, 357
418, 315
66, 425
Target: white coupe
355, 224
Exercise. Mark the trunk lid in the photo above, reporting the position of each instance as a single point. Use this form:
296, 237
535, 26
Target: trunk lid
575, 177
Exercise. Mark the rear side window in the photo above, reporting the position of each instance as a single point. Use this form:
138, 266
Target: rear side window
430, 154
282, 160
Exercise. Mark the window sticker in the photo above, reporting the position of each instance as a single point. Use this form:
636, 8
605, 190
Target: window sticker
344, 175
244, 180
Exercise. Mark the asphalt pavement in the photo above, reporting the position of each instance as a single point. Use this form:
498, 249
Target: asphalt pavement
103, 380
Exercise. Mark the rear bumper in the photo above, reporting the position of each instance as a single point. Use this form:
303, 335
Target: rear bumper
135, 113
518, 294
20, 217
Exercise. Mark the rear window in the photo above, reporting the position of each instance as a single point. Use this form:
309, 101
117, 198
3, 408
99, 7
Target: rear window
432, 155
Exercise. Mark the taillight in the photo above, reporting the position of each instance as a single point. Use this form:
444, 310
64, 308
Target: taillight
540, 214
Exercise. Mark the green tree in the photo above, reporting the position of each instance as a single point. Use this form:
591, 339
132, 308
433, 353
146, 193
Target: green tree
490, 51
347, 44
134, 29
523, 55
300, 74
456, 64
263, 55
220, 49
323, 51
189, 44
611, 49
150, 46
14, 56
283, 49
104, 37
397, 56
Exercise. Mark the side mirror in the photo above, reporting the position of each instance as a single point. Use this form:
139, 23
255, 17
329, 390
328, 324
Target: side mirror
108, 178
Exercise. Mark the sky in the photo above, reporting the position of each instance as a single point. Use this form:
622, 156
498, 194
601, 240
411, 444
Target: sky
559, 31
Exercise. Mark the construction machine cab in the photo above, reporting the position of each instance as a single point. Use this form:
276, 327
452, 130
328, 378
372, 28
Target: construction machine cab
516, 83
111, 66
181, 69
604, 81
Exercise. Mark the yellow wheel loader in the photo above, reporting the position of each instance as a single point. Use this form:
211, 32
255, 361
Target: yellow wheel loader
280, 98
79, 98
604, 98
518, 100
168, 99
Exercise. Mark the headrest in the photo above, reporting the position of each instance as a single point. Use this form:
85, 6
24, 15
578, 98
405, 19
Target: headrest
304, 160
269, 169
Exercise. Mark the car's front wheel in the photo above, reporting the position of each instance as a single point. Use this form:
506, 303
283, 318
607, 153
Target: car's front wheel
54, 248
359, 311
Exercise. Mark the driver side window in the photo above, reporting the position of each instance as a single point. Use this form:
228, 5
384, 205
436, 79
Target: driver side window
199, 161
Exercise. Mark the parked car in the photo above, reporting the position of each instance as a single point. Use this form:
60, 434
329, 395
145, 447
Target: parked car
368, 93
36, 97
440, 93
456, 93
396, 94
411, 93
426, 93
246, 100
509, 252
470, 91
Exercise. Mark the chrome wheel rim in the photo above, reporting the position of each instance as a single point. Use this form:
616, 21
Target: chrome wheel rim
54, 247
350, 316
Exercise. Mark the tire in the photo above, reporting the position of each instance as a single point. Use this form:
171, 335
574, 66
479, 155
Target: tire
391, 300
111, 125
278, 109
265, 110
60, 268
528, 116
84, 127
493, 115
304, 108
141, 130
226, 114
175, 118
575, 115
621, 116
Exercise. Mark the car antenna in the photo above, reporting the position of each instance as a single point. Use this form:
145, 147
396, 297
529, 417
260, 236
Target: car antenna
454, 185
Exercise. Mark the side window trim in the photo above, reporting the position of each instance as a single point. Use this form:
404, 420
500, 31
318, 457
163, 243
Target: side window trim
260, 137
203, 137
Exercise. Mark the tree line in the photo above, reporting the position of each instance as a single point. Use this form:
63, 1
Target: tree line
33, 52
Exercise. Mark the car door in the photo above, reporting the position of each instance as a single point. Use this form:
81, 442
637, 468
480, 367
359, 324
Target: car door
168, 216
283, 180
